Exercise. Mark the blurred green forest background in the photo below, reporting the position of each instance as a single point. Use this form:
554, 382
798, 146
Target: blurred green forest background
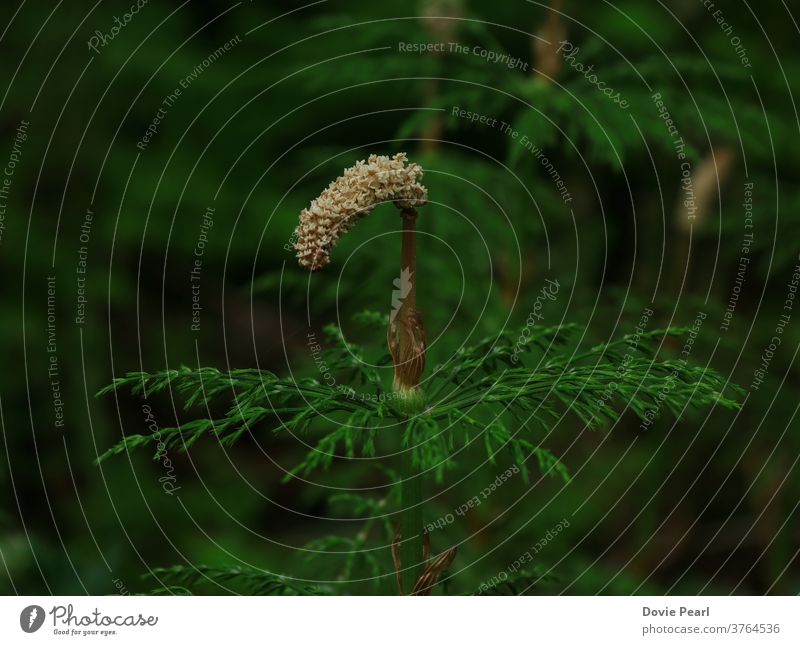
275, 100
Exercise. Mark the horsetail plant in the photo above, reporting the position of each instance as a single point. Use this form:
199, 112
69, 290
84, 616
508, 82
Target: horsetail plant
354, 195
496, 392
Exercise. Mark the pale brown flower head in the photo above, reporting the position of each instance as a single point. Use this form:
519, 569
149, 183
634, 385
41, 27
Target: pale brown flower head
706, 181
352, 196
440, 18
548, 60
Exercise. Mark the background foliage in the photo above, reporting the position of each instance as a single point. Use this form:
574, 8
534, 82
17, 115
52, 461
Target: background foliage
705, 504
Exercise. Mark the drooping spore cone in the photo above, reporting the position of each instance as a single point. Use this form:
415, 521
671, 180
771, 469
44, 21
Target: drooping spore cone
352, 196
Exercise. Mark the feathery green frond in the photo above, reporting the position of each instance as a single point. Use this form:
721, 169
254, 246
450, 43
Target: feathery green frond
241, 578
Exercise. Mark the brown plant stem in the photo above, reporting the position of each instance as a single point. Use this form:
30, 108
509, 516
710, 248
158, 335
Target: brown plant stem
406, 340
408, 255
406, 334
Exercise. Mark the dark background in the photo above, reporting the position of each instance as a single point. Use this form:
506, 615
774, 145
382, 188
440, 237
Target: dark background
704, 505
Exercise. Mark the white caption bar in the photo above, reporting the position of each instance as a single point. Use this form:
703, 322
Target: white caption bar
389, 620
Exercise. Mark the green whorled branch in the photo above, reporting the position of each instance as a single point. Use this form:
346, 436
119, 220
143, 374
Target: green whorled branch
251, 580
481, 395
257, 397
